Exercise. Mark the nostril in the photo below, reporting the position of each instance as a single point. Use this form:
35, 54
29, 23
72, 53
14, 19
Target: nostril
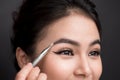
83, 71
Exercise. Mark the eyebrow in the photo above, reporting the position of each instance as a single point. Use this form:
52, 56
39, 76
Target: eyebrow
72, 42
64, 40
96, 42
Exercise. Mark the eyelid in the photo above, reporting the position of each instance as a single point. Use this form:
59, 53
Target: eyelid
95, 51
61, 51
62, 47
95, 54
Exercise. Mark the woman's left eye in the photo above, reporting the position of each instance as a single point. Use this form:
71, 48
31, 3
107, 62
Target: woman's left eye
94, 53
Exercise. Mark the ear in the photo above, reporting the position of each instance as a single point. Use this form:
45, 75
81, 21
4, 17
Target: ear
22, 57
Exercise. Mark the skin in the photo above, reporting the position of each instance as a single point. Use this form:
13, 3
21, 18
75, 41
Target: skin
74, 56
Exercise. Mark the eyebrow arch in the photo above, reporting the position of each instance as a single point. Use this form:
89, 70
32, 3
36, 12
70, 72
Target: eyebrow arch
69, 41
64, 40
96, 42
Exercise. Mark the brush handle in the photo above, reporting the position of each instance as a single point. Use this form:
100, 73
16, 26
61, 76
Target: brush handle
42, 54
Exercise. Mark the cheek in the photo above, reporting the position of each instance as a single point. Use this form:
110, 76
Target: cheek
57, 68
96, 68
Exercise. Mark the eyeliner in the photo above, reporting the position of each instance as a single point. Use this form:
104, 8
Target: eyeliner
42, 54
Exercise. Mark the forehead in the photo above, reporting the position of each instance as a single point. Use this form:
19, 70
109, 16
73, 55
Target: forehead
75, 24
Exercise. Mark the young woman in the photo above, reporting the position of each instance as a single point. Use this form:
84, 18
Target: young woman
74, 29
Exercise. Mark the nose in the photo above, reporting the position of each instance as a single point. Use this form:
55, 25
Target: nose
83, 68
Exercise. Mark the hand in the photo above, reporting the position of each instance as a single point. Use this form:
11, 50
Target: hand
28, 72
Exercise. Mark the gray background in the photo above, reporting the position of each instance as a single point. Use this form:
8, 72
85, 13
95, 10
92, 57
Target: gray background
110, 18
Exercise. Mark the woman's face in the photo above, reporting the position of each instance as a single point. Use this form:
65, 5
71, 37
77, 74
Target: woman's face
75, 54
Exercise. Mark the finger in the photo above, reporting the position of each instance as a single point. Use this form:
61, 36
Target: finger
23, 73
42, 76
33, 75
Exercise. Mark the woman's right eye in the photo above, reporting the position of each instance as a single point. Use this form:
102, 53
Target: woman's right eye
65, 52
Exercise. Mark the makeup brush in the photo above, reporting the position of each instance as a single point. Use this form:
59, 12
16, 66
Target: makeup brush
42, 54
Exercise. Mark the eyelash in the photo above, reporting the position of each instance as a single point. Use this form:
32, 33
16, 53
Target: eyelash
94, 53
68, 52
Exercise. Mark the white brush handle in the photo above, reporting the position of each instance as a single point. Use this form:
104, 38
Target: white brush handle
42, 54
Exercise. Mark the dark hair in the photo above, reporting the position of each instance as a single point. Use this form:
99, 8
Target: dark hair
35, 15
